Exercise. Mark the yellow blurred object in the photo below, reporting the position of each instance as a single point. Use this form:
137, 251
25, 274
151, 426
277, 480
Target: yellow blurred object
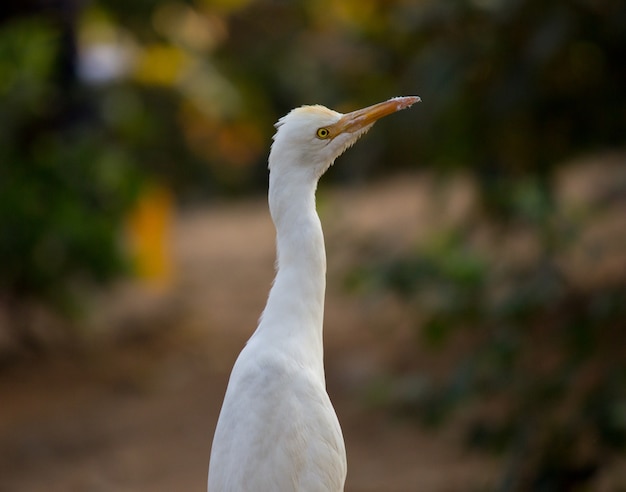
149, 228
161, 65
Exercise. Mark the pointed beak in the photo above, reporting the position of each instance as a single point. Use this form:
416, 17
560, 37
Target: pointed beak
362, 118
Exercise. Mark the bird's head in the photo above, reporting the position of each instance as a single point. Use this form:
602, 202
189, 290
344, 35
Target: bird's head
310, 138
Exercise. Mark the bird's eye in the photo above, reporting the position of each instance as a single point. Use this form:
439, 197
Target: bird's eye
323, 133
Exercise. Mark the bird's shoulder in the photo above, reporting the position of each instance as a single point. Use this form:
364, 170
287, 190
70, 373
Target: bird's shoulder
278, 425
275, 371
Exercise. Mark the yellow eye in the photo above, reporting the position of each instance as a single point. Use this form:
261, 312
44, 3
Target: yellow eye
323, 133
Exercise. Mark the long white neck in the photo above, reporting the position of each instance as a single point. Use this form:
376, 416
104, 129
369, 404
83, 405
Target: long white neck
293, 317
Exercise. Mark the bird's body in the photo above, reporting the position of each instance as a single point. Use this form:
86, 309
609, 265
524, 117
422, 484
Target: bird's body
277, 429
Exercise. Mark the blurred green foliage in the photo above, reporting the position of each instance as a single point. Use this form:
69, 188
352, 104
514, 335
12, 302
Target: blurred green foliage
541, 371
508, 86
64, 181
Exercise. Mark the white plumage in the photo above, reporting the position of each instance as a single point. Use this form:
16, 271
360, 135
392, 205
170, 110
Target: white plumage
277, 430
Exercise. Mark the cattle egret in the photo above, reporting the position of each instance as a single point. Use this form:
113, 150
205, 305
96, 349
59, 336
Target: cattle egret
277, 430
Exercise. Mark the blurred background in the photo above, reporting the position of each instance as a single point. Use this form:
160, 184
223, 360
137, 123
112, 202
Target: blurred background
476, 307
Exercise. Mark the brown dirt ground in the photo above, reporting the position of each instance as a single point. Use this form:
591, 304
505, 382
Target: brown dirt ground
135, 407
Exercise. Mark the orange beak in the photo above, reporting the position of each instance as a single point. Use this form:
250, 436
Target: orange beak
361, 118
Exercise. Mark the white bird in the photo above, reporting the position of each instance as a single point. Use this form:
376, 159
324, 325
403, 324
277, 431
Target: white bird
277, 430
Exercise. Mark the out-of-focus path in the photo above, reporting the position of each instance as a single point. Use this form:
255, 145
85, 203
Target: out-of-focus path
138, 414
